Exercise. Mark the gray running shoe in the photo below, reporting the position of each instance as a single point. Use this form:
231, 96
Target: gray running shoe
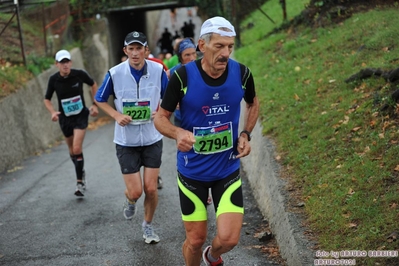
149, 236
79, 189
129, 210
160, 182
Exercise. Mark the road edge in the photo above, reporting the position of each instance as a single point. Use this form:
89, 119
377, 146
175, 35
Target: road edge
269, 191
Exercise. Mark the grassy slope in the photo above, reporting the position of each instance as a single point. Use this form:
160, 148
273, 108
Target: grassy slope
13, 73
339, 150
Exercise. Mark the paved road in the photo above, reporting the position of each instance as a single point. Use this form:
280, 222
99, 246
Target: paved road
43, 223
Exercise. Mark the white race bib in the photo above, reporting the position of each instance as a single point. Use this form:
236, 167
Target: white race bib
72, 106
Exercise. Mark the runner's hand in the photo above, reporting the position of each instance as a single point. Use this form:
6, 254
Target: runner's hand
243, 147
93, 110
54, 116
185, 140
122, 119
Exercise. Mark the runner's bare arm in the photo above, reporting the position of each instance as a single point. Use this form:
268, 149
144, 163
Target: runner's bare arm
184, 139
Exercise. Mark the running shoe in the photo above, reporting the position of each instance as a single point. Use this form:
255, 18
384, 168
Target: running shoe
79, 189
149, 236
160, 182
219, 262
129, 210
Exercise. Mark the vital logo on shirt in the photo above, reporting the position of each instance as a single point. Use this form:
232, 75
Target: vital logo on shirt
215, 110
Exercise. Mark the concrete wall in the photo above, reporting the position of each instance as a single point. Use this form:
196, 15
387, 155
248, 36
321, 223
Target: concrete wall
96, 50
26, 124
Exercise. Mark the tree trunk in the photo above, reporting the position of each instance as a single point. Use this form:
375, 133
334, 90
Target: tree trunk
284, 7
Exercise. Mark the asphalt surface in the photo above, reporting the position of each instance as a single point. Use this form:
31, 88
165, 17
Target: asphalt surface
42, 222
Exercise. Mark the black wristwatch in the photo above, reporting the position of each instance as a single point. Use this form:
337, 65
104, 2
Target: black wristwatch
248, 134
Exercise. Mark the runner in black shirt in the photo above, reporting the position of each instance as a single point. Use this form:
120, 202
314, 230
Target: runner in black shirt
72, 114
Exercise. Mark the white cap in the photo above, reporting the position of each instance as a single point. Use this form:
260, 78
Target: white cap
215, 25
62, 54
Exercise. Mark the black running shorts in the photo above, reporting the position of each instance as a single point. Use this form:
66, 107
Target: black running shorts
69, 123
226, 196
132, 158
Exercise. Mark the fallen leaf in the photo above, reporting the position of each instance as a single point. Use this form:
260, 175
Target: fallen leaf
352, 225
300, 204
346, 215
15, 169
346, 120
393, 236
99, 122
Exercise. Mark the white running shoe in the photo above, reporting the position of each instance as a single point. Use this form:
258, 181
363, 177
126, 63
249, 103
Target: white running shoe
79, 189
149, 236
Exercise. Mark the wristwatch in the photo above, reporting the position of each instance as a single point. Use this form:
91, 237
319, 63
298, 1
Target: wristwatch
248, 134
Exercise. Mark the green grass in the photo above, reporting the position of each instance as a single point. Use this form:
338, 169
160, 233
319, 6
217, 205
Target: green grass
335, 144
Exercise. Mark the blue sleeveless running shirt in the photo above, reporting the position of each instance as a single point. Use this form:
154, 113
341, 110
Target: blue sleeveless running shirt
212, 113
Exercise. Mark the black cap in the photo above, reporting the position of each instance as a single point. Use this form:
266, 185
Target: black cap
136, 36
